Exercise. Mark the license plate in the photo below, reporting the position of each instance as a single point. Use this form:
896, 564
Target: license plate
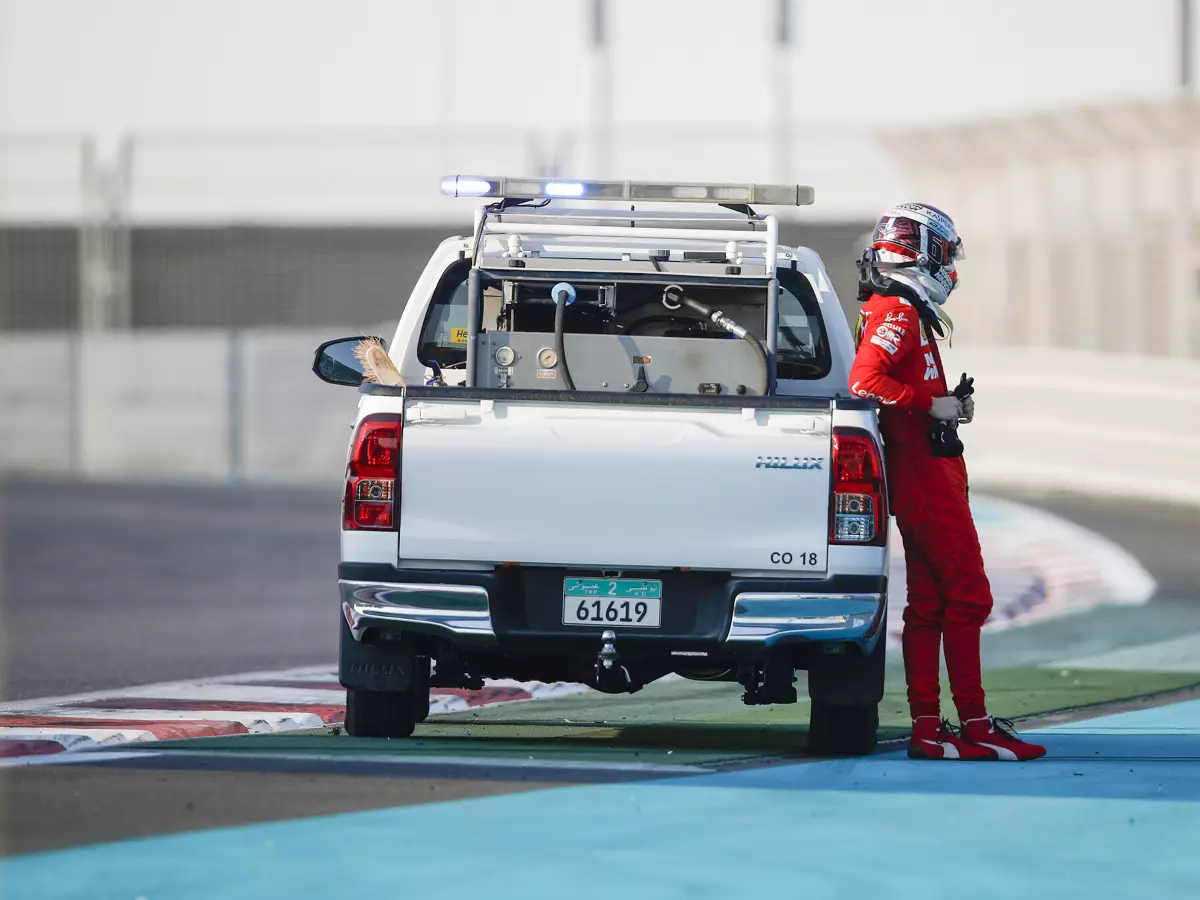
628, 602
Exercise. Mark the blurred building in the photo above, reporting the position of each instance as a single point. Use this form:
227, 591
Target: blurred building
1082, 224
276, 228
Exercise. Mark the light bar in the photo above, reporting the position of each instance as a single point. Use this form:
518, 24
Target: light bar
646, 191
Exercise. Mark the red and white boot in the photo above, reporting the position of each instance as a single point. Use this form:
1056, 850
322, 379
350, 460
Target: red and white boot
998, 738
935, 738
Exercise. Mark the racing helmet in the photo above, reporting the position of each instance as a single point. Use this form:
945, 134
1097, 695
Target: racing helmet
922, 236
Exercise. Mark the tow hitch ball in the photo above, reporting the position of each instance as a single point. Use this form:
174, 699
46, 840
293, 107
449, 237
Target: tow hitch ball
611, 676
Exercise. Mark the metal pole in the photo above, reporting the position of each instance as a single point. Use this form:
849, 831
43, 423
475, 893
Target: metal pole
1185, 45
780, 112
121, 262
90, 247
601, 89
75, 401
447, 118
235, 408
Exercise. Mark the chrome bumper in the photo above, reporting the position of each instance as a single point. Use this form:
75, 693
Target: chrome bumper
766, 617
760, 617
452, 609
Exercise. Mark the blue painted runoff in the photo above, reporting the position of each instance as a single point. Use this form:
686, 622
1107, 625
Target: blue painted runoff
1115, 813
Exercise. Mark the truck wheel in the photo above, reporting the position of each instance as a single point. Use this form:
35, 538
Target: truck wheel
843, 730
847, 679
388, 714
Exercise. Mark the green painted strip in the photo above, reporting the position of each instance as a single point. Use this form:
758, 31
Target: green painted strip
680, 723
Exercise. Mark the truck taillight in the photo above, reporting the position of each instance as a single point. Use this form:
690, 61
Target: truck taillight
371, 501
858, 502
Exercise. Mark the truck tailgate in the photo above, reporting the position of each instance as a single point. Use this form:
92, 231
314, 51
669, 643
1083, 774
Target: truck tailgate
614, 486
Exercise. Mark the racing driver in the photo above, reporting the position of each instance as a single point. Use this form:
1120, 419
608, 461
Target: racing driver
905, 277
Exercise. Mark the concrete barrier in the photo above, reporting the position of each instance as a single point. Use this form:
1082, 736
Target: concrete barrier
222, 405
292, 425
154, 404
38, 407
1079, 420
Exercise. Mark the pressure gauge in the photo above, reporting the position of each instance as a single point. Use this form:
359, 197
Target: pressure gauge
547, 358
505, 356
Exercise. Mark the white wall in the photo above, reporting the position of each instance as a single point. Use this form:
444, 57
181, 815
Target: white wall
162, 405
298, 109
151, 64
168, 405
1126, 426
37, 403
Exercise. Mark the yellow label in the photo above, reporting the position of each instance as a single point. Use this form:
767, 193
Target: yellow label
458, 335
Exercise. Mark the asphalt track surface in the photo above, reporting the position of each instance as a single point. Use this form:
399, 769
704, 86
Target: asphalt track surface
113, 585
1113, 812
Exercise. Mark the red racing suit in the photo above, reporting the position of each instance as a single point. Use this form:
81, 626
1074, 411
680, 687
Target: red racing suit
949, 598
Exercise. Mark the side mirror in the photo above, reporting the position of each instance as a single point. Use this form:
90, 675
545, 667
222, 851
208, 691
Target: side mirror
335, 363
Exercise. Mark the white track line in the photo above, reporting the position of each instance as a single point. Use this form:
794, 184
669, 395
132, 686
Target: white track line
492, 762
74, 738
304, 673
256, 721
122, 724
58, 759
235, 693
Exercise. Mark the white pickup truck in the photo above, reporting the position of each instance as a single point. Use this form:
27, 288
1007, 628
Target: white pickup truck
624, 447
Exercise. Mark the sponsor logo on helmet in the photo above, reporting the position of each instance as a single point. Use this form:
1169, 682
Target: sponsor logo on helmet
930, 216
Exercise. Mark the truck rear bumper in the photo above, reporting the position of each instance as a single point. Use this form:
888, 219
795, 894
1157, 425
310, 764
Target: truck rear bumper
444, 610
767, 617
505, 608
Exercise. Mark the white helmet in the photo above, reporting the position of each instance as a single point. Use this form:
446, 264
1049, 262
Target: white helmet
920, 234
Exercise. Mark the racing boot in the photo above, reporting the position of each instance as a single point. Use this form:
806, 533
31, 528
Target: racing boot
999, 739
935, 738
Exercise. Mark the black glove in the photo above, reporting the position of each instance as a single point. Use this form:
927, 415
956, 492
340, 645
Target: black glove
944, 435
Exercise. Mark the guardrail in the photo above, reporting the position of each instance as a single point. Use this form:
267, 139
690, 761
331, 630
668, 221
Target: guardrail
222, 405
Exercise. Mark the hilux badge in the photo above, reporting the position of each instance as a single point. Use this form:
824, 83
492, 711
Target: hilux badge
789, 462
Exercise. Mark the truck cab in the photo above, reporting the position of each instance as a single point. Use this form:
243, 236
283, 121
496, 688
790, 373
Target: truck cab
621, 446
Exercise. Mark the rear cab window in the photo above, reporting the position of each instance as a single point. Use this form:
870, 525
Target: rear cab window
444, 332
803, 347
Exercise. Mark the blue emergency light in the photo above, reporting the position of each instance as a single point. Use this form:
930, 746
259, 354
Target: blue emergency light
645, 191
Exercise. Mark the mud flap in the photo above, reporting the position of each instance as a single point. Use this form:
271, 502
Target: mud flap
847, 679
385, 666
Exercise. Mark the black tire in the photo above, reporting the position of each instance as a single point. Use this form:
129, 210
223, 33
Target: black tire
843, 730
386, 714
847, 679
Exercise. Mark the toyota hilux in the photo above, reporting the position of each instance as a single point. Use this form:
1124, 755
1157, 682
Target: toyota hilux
621, 446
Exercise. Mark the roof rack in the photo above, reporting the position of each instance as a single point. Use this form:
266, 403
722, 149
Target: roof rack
510, 193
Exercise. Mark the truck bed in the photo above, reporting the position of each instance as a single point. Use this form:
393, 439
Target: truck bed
612, 481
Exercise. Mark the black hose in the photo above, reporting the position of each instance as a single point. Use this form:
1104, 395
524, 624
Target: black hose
560, 305
720, 319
